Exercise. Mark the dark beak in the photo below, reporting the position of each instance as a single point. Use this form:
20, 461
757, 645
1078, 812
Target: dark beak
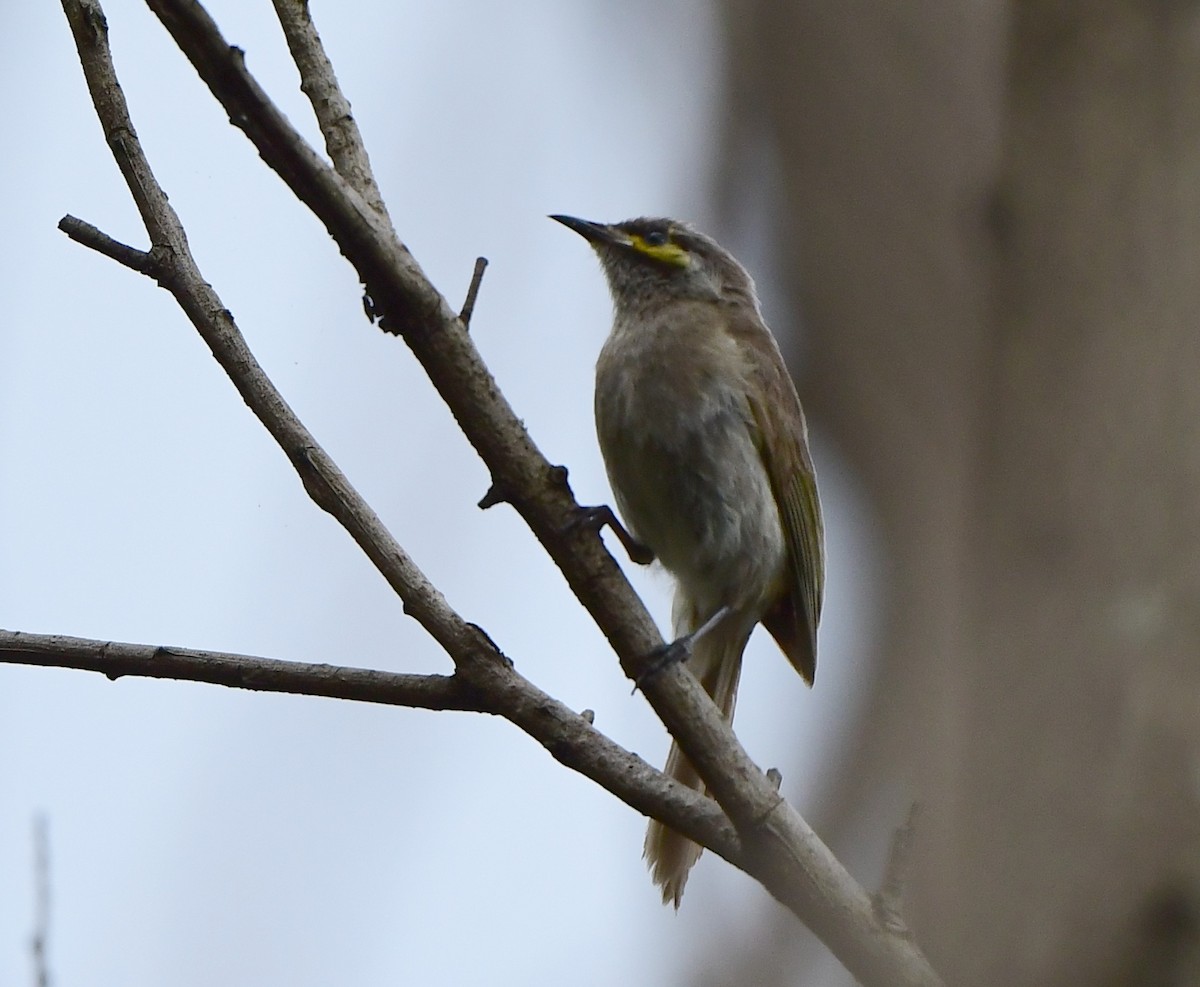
593, 232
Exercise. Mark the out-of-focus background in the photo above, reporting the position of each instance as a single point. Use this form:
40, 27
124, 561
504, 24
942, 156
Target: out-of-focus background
975, 230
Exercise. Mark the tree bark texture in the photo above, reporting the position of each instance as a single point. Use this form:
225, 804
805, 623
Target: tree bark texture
990, 220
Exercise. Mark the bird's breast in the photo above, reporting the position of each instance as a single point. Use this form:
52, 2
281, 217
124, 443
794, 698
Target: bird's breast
682, 452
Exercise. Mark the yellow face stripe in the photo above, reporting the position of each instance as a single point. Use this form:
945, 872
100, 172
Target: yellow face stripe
665, 253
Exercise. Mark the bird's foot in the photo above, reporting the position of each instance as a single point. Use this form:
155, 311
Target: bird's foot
596, 518
675, 653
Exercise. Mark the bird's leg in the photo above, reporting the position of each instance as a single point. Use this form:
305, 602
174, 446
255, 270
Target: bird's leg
595, 518
680, 649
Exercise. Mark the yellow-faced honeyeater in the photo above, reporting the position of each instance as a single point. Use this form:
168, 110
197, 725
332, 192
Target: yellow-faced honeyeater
706, 449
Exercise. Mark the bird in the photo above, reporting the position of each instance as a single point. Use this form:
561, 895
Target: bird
706, 449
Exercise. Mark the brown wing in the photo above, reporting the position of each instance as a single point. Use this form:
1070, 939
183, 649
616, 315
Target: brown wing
792, 621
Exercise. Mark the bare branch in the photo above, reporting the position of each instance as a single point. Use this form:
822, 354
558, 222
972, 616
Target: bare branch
570, 737
125, 255
114, 660
178, 273
319, 83
468, 308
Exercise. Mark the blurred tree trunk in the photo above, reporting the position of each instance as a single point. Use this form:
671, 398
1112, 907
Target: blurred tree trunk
991, 216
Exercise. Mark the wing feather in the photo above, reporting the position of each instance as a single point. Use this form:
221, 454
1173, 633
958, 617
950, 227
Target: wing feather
783, 445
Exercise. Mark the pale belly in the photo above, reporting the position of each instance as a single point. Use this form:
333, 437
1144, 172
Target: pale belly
690, 483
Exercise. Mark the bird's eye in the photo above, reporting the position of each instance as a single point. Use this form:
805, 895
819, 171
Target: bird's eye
656, 238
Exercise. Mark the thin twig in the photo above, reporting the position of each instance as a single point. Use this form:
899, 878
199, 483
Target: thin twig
897, 875
468, 308
99, 241
41, 885
343, 141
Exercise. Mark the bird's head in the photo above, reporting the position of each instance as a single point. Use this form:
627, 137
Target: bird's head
652, 260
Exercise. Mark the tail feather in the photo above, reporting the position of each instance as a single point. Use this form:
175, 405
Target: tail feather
669, 855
